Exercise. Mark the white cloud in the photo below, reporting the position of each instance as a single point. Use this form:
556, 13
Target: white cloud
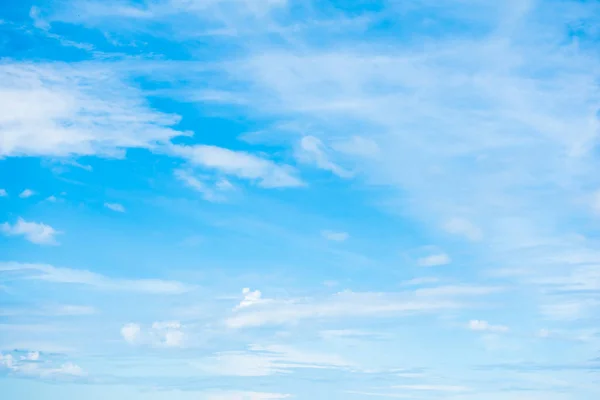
335, 236
160, 334
34, 232
210, 191
29, 365
168, 334
49, 273
269, 360
59, 109
31, 356
239, 164
434, 260
115, 207
484, 326
3, 193
250, 298
131, 332
463, 227
313, 151
357, 304
26, 193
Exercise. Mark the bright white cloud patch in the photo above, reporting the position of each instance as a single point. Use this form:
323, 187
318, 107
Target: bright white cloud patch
53, 274
211, 191
168, 334
358, 304
239, 164
35, 232
59, 109
335, 236
32, 365
313, 151
131, 332
26, 193
434, 260
115, 207
484, 326
160, 334
250, 298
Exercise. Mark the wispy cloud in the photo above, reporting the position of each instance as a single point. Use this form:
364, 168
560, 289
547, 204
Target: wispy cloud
115, 207
160, 334
434, 260
26, 193
3, 193
269, 360
49, 273
211, 191
313, 151
356, 304
29, 365
59, 109
35, 232
484, 326
239, 164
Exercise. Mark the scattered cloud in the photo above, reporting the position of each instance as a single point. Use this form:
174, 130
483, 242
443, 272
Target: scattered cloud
240, 164
434, 260
30, 365
269, 360
60, 109
335, 236
214, 192
160, 334
34, 232
168, 333
131, 332
26, 193
115, 207
49, 273
357, 304
3, 193
484, 326
250, 298
313, 151
463, 227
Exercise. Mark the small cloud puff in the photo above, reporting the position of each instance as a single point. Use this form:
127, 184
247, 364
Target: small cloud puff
250, 298
131, 332
3, 193
30, 365
434, 260
34, 232
115, 207
484, 326
26, 193
161, 334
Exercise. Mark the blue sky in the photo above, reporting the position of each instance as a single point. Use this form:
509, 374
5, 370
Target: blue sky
271, 199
